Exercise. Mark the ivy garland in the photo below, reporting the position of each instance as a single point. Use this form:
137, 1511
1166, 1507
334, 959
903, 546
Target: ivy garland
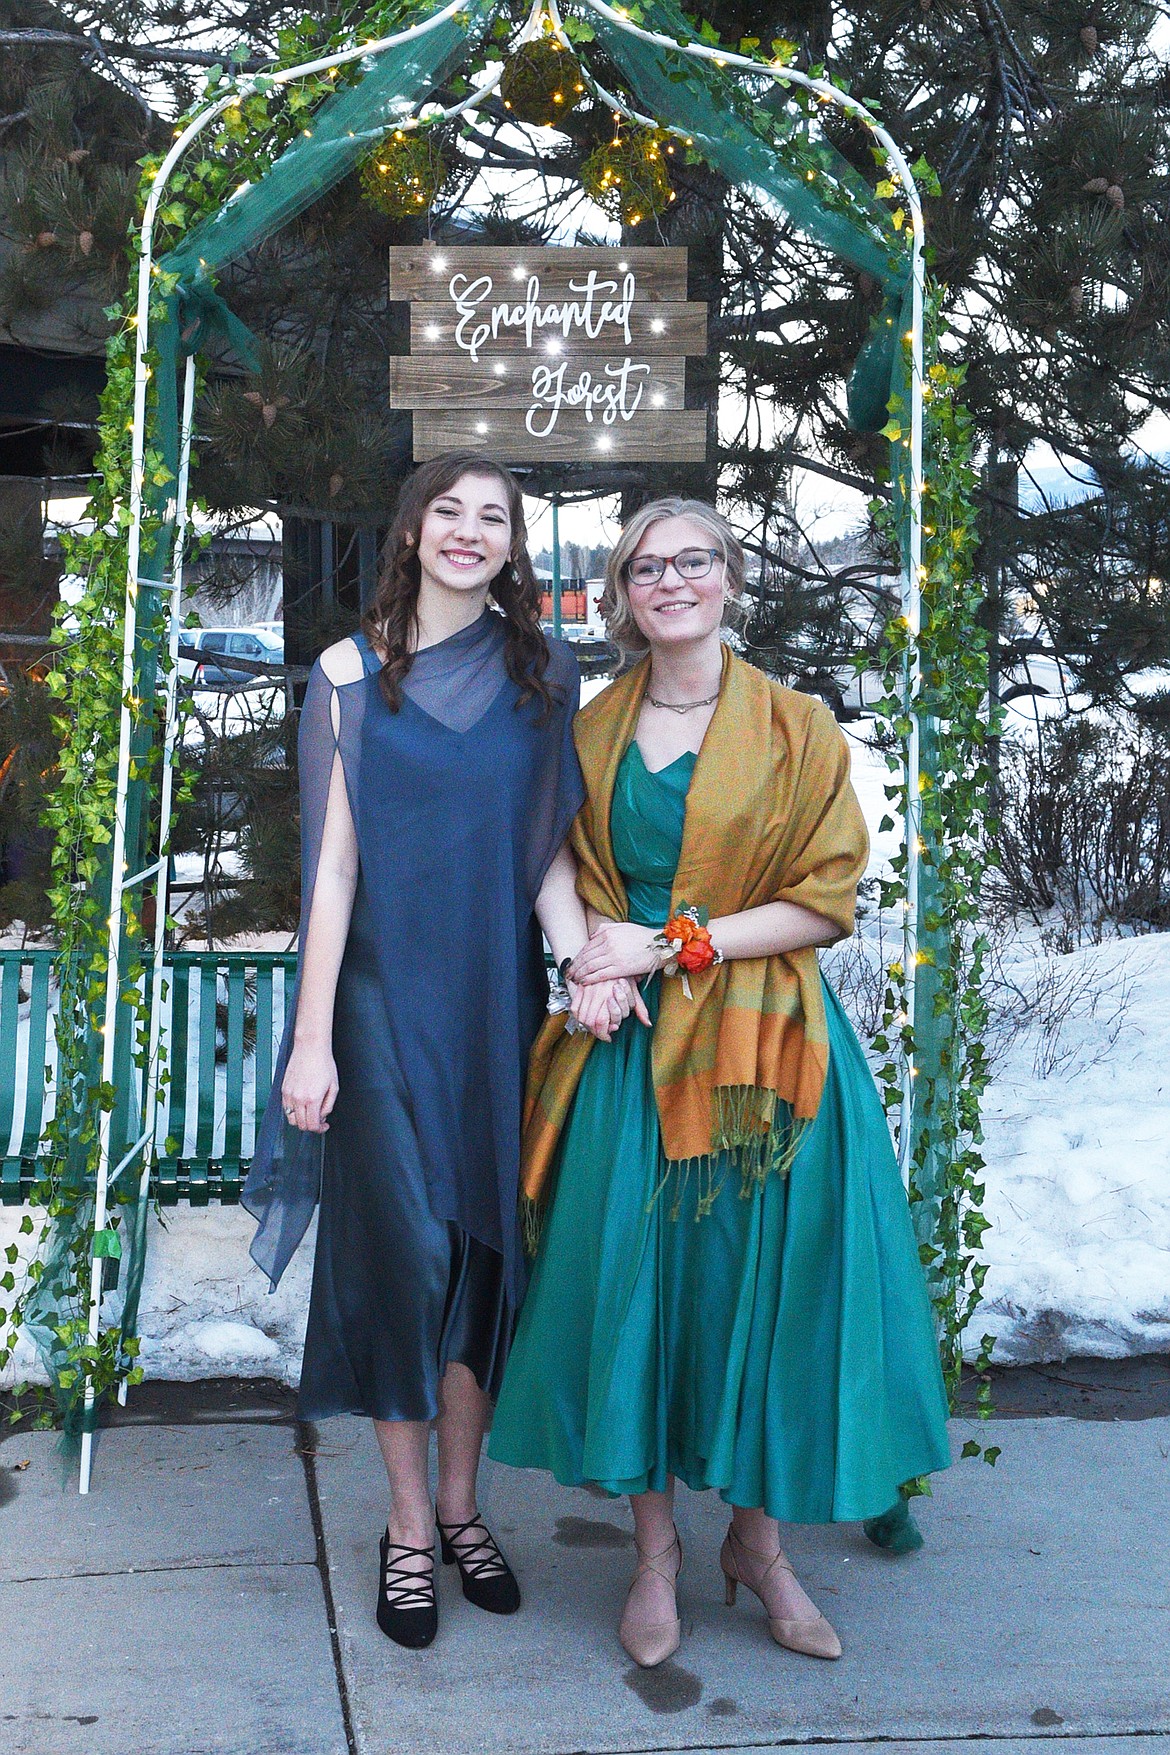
250, 136
955, 849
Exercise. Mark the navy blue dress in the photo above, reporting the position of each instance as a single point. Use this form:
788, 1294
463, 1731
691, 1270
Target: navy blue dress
459, 802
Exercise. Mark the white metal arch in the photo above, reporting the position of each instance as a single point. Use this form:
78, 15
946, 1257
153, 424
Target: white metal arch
121, 882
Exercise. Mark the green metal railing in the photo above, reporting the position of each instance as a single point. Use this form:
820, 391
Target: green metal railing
223, 1015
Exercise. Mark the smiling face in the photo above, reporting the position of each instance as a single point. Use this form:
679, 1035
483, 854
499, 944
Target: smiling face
676, 611
466, 535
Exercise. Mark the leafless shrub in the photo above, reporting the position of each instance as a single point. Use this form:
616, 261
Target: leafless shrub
1073, 1009
1084, 836
856, 969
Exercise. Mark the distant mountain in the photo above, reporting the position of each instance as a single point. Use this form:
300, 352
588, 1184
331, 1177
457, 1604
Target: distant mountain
1054, 486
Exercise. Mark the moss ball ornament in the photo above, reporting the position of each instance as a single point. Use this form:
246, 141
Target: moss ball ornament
626, 176
402, 178
541, 83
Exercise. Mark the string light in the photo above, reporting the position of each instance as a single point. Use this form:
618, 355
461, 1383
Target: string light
626, 176
404, 174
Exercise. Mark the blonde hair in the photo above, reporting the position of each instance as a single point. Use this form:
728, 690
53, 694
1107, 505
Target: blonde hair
620, 625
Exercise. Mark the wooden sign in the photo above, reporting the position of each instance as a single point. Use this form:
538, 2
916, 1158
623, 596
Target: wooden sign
548, 355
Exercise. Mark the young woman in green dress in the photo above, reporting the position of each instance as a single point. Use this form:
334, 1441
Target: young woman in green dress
727, 1288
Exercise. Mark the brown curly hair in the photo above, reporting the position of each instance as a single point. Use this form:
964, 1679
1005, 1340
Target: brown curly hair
391, 620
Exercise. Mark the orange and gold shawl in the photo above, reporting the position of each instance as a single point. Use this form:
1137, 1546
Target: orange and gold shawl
771, 817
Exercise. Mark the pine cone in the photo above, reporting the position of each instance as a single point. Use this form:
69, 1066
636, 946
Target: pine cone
1116, 194
85, 242
1076, 299
46, 240
268, 410
1089, 37
1096, 185
336, 483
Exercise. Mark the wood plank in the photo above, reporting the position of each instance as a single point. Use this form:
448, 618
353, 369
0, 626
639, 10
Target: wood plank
422, 271
456, 383
661, 331
656, 436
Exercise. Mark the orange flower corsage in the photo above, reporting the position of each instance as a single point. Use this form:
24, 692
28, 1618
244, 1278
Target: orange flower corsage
685, 944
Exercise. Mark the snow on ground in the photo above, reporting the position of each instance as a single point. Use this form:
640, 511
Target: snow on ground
206, 1308
1078, 1175
1078, 1184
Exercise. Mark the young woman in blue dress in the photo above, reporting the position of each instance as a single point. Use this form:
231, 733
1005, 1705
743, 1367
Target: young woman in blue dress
438, 781
727, 1289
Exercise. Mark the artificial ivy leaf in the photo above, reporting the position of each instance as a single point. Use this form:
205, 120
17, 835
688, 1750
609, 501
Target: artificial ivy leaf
925, 175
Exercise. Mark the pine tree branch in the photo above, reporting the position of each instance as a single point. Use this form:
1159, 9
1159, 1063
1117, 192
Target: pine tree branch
863, 483
89, 45
119, 78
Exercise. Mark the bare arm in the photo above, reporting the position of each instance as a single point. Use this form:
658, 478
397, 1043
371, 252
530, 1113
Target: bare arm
566, 924
771, 928
333, 893
619, 948
309, 1090
560, 909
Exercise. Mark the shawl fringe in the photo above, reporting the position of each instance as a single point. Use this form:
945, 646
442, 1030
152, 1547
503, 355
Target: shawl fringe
752, 1133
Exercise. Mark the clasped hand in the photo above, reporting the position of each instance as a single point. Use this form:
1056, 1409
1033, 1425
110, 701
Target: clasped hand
603, 988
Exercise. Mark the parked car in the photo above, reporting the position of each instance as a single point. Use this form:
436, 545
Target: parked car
224, 643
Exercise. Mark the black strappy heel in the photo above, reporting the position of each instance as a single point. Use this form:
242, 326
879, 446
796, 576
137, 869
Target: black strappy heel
407, 1611
488, 1581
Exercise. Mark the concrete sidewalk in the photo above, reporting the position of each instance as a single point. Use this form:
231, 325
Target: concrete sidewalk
214, 1595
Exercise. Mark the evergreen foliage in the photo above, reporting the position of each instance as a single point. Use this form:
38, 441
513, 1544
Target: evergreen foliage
1047, 126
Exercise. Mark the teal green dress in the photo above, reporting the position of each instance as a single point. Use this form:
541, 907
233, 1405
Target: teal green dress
780, 1348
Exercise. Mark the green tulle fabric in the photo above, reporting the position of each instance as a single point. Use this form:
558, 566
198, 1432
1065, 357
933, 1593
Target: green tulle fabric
771, 1338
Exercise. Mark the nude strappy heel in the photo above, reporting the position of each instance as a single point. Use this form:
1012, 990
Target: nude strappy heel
652, 1642
814, 1638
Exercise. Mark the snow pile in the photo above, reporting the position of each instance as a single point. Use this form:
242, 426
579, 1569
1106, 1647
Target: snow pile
206, 1309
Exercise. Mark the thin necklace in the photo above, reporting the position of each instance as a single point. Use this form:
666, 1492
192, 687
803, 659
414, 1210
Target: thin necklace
682, 706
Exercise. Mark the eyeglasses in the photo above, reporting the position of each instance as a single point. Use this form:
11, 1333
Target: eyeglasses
689, 563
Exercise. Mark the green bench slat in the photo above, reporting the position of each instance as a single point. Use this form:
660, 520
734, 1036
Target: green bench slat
38, 1030
265, 1012
177, 1056
234, 1092
9, 1023
205, 1094
12, 1182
